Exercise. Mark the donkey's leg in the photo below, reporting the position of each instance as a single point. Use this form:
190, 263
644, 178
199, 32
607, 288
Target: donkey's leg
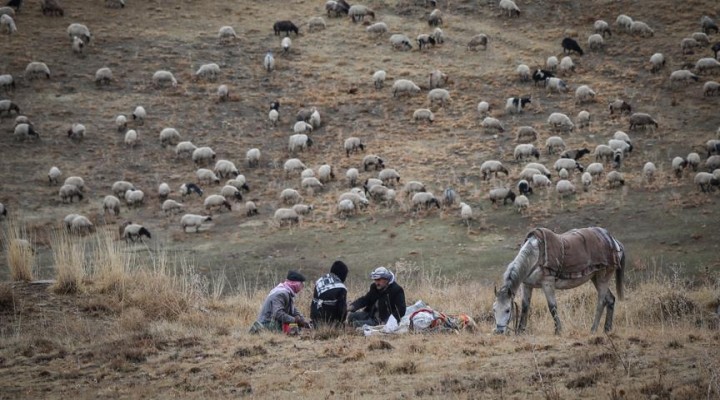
610, 304
604, 299
525, 307
548, 288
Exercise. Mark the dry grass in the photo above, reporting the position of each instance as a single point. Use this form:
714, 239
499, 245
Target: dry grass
18, 250
70, 263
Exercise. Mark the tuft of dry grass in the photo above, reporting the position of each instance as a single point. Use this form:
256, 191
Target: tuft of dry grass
69, 256
18, 251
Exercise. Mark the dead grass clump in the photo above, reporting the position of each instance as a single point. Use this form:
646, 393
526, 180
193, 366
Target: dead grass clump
132, 319
380, 345
69, 256
584, 381
7, 297
18, 251
256, 350
667, 305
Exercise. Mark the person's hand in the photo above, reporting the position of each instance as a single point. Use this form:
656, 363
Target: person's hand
301, 322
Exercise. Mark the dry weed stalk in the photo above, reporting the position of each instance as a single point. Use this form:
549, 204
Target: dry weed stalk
20, 256
69, 255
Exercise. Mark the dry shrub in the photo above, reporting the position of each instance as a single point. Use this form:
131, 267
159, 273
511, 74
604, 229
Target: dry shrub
69, 256
111, 264
19, 253
132, 319
662, 303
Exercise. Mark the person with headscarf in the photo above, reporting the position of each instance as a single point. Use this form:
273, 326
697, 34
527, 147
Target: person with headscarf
279, 308
385, 298
329, 303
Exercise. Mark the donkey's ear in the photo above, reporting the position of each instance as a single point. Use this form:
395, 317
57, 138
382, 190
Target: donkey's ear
495, 290
509, 292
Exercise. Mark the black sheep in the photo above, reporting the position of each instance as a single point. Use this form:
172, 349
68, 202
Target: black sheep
541, 74
286, 27
569, 45
716, 49
15, 4
575, 154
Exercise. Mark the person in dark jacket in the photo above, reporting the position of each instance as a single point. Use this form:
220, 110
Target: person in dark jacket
329, 303
279, 306
385, 298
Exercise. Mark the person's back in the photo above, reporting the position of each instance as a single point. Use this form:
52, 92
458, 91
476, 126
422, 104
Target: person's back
329, 304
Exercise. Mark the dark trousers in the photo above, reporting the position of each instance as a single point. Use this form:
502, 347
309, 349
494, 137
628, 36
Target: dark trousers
359, 318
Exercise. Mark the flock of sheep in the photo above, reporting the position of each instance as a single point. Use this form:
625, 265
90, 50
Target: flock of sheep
386, 187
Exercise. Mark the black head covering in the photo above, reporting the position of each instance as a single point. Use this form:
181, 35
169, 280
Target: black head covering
339, 269
295, 276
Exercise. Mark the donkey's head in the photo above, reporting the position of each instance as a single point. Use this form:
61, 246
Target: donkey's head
503, 309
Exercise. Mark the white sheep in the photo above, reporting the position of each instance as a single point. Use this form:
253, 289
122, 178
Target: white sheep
111, 204
69, 192
483, 107
554, 143
134, 197
353, 144
131, 138
498, 194
568, 164
438, 79
622, 145
509, 7
584, 94
523, 72
642, 120
121, 123
438, 35
521, 203
79, 30
77, 45
624, 22
400, 42
302, 127
707, 64
374, 161
596, 42
357, 198
37, 69
226, 34
133, 232
285, 44
184, 148
208, 71
223, 93
678, 166
139, 114
657, 62
325, 173
525, 150
423, 114
206, 175
290, 196
642, 29
379, 79
492, 124
492, 167
164, 191
586, 180
712, 163
67, 221
239, 183
357, 12
540, 181
526, 134
311, 183
250, 208
528, 173
161, 78
702, 38
81, 225
193, 220
693, 160
7, 23
477, 41
424, 200
346, 207
269, 62
316, 24
225, 168
556, 84
293, 165
352, 175
203, 155
601, 27
216, 201
253, 157
120, 187
389, 176
7, 82
560, 122
649, 170
303, 209
169, 136
683, 76
706, 181
24, 132
273, 117
405, 86
54, 175
563, 174
286, 216
466, 213
315, 121
552, 63
299, 141
711, 88
76, 132
565, 188
566, 65
688, 45
615, 178
583, 119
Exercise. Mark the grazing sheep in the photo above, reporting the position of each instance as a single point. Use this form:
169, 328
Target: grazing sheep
315, 121
37, 69
523, 151
552, 63
413, 187
273, 117
325, 173
683, 76
206, 175
54, 175
286, 216
624, 22
438, 79
693, 160
400, 42
285, 44
120, 187
622, 145
184, 148
492, 167
435, 18
7, 11
688, 45
286, 27
516, 104
565, 188
509, 7
134, 197
203, 155
162, 78
208, 71
642, 29
226, 34
316, 24
566, 65
311, 183
483, 107
657, 62
302, 127
139, 115
216, 201
466, 213
438, 35
357, 12
131, 138
596, 42
403, 86
620, 135
164, 191
439, 95
554, 143
615, 178
293, 165
52, 8
569, 164
560, 122
269, 62
540, 181
373, 160
169, 136
111, 204
601, 27
69, 192
712, 163
389, 177
543, 169
103, 76
620, 106
526, 134
352, 175
346, 207
337, 8
76, 181
712, 146
239, 182
424, 200
641, 120
528, 173
492, 124
7, 23
569, 45
76, 132
250, 208
541, 75
711, 88
477, 41
678, 166
79, 30
357, 197
225, 168
81, 225
188, 188
7, 106
423, 114
521, 203
134, 232
223, 93
379, 79
706, 181
424, 40
586, 180
303, 209
503, 194
253, 157
556, 84
584, 94
705, 64
115, 3
523, 72
583, 119
649, 171
7, 82
353, 144
193, 220
708, 25
574, 154
524, 188
299, 142
291, 196
77, 45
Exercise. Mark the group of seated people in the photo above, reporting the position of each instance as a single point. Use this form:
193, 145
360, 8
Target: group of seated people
329, 304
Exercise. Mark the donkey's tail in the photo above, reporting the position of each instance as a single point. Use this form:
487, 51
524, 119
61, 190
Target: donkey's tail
619, 272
